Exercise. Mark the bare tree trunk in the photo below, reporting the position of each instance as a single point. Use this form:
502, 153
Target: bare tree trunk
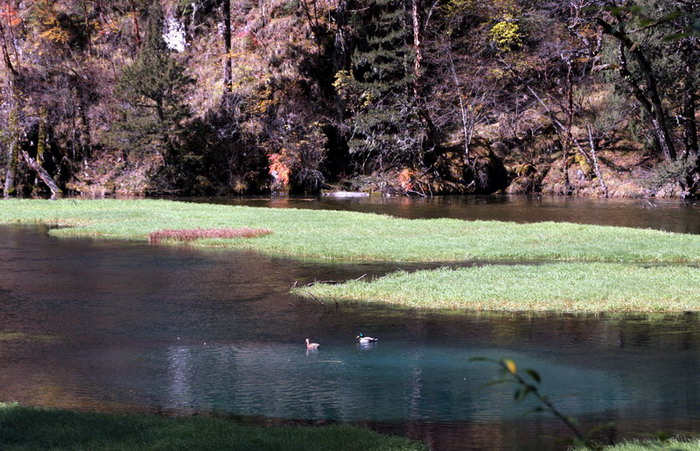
417, 45
569, 124
5, 51
11, 170
596, 168
649, 96
43, 175
690, 135
13, 118
467, 125
86, 24
86, 133
40, 142
228, 63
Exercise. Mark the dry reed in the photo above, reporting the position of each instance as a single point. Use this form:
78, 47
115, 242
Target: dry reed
194, 234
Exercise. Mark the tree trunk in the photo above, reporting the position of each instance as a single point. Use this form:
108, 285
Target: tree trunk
11, 170
467, 117
647, 96
417, 45
228, 63
86, 132
40, 143
43, 175
596, 167
5, 51
135, 15
690, 135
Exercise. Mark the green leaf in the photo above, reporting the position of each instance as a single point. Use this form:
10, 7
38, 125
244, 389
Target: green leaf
480, 359
496, 382
534, 375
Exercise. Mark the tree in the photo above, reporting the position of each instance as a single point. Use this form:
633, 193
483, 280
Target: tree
153, 88
657, 49
383, 123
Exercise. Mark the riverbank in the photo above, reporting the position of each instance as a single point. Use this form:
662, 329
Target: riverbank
38, 428
342, 235
562, 287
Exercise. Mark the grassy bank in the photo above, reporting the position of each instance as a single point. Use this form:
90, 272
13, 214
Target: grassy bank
35, 428
562, 287
357, 236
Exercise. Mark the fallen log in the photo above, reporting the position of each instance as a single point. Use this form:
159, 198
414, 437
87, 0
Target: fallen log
56, 192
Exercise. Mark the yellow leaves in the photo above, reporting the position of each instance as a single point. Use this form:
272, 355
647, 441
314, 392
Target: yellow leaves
263, 100
55, 34
509, 365
507, 34
342, 82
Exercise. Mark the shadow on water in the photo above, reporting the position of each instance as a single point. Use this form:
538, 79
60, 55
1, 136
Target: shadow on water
124, 326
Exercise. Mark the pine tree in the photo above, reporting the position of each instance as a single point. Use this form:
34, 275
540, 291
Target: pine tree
385, 129
154, 88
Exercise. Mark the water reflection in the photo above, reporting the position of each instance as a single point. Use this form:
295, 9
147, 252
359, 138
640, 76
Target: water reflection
672, 215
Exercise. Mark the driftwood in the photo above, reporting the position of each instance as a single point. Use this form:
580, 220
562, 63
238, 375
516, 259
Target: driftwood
43, 175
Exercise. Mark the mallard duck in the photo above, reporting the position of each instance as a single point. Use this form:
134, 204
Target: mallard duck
364, 340
311, 345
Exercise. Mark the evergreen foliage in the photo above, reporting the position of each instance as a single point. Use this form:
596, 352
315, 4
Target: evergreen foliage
153, 89
383, 125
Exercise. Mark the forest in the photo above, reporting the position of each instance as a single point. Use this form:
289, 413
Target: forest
406, 97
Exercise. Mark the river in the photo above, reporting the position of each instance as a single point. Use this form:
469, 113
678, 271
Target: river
127, 326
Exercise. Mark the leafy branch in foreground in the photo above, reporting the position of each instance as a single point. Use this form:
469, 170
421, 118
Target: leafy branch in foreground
528, 384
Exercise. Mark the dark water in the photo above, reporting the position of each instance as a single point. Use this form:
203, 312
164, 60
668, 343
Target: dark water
122, 326
662, 214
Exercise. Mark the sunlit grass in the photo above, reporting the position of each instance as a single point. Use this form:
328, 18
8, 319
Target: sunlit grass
40, 429
654, 445
19, 336
561, 287
357, 236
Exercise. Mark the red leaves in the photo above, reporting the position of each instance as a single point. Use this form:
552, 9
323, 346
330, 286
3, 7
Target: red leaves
10, 15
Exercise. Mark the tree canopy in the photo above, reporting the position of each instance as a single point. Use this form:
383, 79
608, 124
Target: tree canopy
595, 97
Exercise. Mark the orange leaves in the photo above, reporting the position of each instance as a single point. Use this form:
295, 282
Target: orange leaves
10, 15
280, 169
405, 178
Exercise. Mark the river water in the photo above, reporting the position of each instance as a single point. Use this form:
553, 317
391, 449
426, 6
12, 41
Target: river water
126, 326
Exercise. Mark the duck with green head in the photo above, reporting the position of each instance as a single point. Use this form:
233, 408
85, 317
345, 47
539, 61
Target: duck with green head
365, 340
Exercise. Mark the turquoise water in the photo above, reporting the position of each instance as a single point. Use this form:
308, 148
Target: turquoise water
126, 326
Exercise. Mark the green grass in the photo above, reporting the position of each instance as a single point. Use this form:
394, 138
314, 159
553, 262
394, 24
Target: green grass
26, 428
561, 287
358, 236
655, 445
